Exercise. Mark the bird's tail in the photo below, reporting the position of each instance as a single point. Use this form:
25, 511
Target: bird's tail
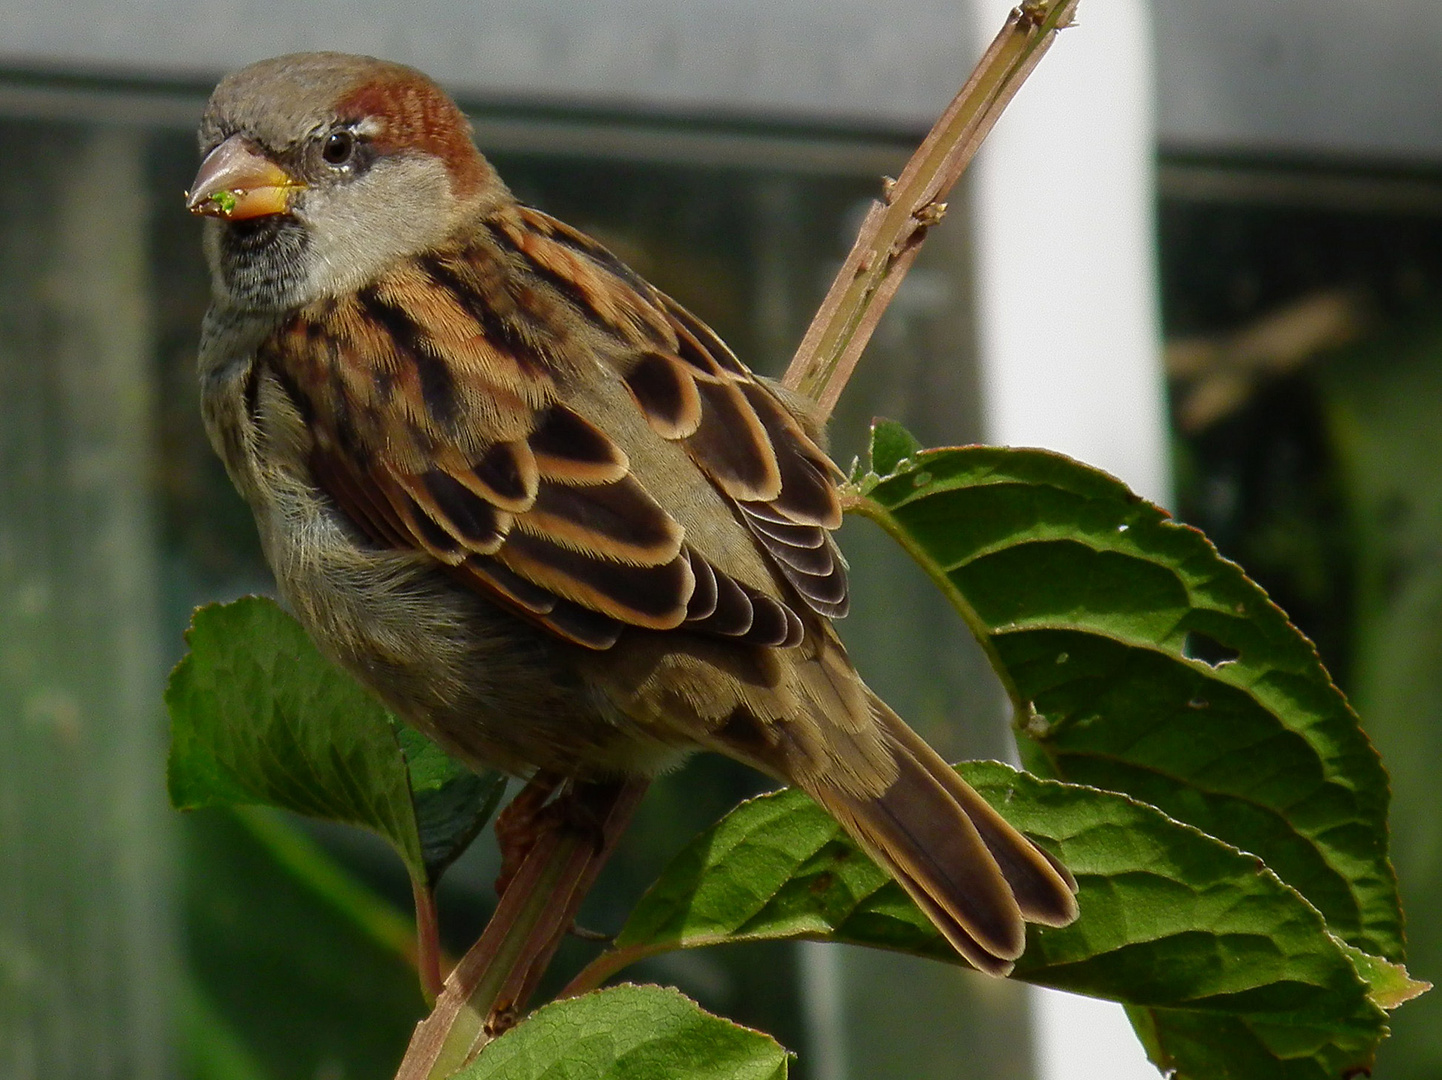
973, 875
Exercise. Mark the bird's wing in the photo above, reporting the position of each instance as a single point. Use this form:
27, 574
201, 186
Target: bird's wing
453, 406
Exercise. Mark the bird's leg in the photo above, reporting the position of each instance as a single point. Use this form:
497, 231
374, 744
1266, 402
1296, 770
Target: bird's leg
491, 985
579, 829
520, 824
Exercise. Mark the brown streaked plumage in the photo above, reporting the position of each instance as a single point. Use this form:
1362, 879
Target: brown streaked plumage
534, 504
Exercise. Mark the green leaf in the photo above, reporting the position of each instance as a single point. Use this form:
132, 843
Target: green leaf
452, 803
629, 1033
1139, 660
1174, 920
259, 717
1388, 984
891, 446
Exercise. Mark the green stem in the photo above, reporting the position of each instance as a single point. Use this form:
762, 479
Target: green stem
611, 961
428, 941
893, 230
497, 966
496, 977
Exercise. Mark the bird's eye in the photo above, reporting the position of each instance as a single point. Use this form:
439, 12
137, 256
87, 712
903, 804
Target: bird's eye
338, 147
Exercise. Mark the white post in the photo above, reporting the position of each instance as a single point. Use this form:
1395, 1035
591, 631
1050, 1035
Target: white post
1063, 197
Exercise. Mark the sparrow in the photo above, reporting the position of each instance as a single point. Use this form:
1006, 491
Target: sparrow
531, 502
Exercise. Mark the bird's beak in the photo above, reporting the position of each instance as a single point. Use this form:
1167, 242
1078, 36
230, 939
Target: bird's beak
236, 182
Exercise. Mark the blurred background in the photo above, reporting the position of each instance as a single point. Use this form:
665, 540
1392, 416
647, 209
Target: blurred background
1203, 250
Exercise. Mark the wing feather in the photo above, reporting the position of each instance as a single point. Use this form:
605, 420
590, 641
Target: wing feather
437, 402
791, 512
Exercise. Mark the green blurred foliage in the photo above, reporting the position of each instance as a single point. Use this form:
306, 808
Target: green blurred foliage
1326, 483
283, 982
1383, 403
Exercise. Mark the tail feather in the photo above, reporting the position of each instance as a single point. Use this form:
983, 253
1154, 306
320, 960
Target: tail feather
973, 875
1043, 888
816, 725
938, 856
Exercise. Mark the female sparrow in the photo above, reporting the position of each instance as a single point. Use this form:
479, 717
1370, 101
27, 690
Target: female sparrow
531, 502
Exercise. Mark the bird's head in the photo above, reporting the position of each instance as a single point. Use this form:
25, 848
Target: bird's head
321, 170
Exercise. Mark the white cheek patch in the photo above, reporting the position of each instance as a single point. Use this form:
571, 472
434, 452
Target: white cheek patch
399, 207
